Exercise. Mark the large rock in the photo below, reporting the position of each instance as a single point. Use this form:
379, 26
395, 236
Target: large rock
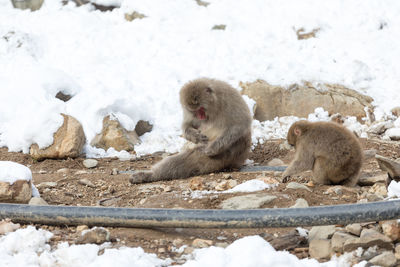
321, 232
386, 259
301, 100
368, 238
116, 136
68, 142
320, 249
18, 192
247, 201
390, 166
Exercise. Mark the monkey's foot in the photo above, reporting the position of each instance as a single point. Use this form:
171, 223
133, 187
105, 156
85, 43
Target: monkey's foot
141, 177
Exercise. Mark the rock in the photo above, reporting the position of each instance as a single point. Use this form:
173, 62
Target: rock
134, 15
301, 100
275, 162
320, 249
369, 153
221, 244
397, 251
96, 235
386, 259
63, 170
32, 5
143, 127
321, 232
395, 111
81, 228
391, 229
393, 134
302, 34
196, 183
295, 185
202, 243
219, 27
225, 185
44, 185
368, 238
269, 180
37, 201
18, 192
202, 3
167, 188
354, 229
338, 239
247, 201
379, 127
114, 135
300, 203
288, 241
63, 97
337, 190
90, 163
6, 226
68, 142
369, 181
114, 171
86, 182
378, 189
390, 166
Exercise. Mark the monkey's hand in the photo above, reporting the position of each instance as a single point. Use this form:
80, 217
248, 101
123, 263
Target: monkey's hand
195, 136
212, 149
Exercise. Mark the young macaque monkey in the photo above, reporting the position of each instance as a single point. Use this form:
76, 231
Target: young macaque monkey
218, 121
331, 151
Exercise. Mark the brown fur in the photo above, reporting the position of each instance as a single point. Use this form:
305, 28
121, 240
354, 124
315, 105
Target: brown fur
330, 150
223, 136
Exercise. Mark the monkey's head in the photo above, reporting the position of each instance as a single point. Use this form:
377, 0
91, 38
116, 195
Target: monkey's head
198, 97
296, 130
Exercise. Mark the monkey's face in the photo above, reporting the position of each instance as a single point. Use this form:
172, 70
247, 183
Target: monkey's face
291, 136
196, 98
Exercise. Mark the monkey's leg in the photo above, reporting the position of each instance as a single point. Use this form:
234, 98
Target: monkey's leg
303, 161
320, 171
225, 140
141, 177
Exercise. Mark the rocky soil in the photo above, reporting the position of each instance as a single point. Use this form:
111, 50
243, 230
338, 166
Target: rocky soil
69, 182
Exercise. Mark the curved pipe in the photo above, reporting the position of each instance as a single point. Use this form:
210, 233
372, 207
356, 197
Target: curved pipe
160, 218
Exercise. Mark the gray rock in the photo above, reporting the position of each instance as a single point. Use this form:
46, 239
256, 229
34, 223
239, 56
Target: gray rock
294, 185
369, 181
354, 229
368, 238
44, 185
321, 232
247, 201
90, 163
300, 203
143, 127
338, 240
86, 182
275, 162
97, 235
380, 127
386, 259
63, 97
320, 249
390, 166
37, 201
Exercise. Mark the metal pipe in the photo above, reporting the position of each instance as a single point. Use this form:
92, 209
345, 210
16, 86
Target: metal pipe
187, 218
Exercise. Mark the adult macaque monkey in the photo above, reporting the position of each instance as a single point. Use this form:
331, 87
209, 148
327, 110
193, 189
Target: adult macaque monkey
331, 151
216, 118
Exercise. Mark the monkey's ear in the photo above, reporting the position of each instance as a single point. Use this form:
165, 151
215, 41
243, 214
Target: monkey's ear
209, 90
297, 131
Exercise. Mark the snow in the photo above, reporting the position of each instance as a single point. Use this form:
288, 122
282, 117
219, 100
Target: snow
394, 189
250, 186
134, 70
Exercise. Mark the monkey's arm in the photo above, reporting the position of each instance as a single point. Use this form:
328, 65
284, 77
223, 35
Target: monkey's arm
302, 161
224, 141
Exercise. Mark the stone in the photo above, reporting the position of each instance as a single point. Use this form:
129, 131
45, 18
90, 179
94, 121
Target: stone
68, 142
134, 15
379, 127
33, 5
338, 240
90, 163
7, 226
369, 181
378, 189
219, 27
202, 243
275, 162
391, 229
202, 3
44, 185
393, 134
386, 259
368, 238
225, 185
81, 228
320, 249
295, 185
86, 182
390, 166
96, 235
301, 100
18, 192
303, 35
397, 251
37, 201
395, 111
354, 228
196, 183
143, 127
63, 170
114, 135
114, 171
300, 203
321, 232
253, 201
63, 97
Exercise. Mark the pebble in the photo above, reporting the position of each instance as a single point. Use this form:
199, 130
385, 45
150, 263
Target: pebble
196, 183
225, 185
114, 171
338, 239
97, 235
354, 229
368, 238
252, 201
386, 259
90, 163
300, 203
320, 249
378, 189
295, 185
81, 228
167, 188
81, 172
63, 170
86, 182
391, 229
44, 185
321, 232
202, 243
275, 162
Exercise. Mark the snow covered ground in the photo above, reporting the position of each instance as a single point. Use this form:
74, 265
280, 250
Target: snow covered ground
134, 70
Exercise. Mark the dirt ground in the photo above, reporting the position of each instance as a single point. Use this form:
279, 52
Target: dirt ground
110, 187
